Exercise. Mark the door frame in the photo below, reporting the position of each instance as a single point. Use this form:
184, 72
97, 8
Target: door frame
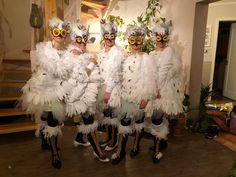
214, 46
228, 52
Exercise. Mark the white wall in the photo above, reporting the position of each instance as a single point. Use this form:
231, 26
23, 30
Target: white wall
224, 10
180, 11
17, 31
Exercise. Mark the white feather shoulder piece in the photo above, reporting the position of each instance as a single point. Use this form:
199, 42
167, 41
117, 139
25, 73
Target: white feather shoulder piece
50, 60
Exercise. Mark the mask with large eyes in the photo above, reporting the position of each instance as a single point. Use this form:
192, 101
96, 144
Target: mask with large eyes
162, 38
59, 32
108, 36
81, 40
135, 40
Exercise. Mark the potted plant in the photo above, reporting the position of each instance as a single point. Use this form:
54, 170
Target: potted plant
204, 119
178, 123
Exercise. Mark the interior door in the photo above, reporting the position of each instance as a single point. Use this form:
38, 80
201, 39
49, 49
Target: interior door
229, 90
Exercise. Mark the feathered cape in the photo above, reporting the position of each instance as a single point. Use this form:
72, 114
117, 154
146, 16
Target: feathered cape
81, 89
43, 91
170, 81
110, 65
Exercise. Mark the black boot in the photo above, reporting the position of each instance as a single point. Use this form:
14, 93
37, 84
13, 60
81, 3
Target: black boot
139, 120
79, 141
107, 112
120, 154
109, 136
113, 142
53, 140
157, 119
157, 155
134, 152
96, 148
44, 142
56, 161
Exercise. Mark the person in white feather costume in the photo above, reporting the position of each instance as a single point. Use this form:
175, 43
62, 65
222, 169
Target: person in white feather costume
137, 88
43, 93
109, 99
82, 88
170, 93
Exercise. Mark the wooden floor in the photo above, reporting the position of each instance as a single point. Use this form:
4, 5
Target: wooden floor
228, 140
189, 156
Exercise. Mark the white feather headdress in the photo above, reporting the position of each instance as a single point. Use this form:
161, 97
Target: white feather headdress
162, 28
108, 27
57, 23
77, 30
135, 30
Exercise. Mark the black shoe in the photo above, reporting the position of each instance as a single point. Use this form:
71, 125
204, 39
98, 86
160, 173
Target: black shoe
134, 152
156, 159
56, 162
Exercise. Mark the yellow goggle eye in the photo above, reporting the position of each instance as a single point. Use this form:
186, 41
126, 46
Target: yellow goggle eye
158, 38
63, 33
79, 40
56, 32
131, 40
139, 40
165, 38
106, 36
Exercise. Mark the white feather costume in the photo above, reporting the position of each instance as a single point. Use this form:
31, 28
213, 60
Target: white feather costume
110, 69
170, 81
44, 92
138, 84
81, 89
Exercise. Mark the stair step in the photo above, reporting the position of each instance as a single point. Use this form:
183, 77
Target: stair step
16, 61
9, 97
11, 112
12, 84
17, 127
18, 71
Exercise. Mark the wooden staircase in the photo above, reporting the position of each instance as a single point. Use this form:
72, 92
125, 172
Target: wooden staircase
14, 74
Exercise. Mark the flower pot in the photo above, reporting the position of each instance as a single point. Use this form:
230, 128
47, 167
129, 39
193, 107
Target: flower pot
179, 128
